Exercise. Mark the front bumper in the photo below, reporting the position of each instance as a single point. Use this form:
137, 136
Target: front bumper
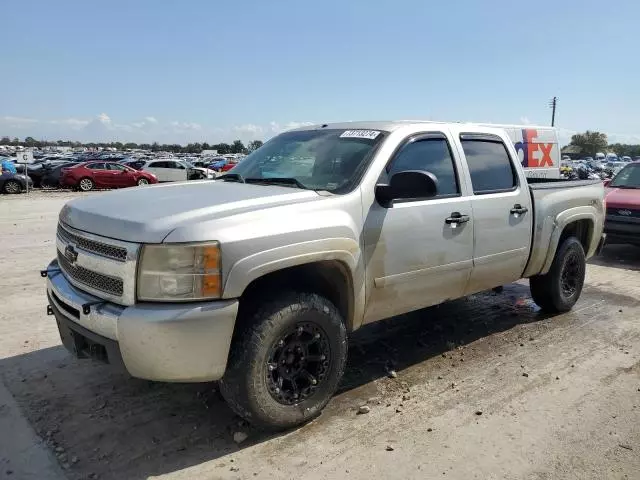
622, 230
155, 341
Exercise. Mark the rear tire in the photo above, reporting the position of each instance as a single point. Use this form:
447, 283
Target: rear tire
286, 361
558, 290
12, 187
86, 185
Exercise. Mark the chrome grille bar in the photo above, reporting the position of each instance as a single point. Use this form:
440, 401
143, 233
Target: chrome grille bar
99, 248
95, 280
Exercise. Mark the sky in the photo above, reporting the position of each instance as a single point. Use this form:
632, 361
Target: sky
206, 70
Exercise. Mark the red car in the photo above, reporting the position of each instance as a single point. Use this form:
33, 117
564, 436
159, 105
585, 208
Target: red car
89, 175
622, 223
228, 166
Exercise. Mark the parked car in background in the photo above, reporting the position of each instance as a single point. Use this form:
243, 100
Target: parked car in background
169, 170
14, 182
38, 171
218, 163
626, 159
207, 172
622, 223
51, 178
89, 175
8, 165
135, 164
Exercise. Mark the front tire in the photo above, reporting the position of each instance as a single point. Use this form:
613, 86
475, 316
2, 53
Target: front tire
286, 361
558, 290
12, 187
86, 185
142, 181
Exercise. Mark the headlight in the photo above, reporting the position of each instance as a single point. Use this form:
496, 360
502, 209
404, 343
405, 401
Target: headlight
180, 272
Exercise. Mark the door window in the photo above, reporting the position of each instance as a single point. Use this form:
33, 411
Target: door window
115, 166
490, 167
96, 166
431, 155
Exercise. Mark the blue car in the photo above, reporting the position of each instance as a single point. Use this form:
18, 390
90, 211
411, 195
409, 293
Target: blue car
8, 166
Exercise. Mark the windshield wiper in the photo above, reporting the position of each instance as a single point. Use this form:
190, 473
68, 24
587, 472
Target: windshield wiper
287, 181
233, 177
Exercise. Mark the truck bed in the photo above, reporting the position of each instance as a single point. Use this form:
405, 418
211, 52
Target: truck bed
556, 202
546, 183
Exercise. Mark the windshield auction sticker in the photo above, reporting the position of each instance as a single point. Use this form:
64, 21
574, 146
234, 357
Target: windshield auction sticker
370, 134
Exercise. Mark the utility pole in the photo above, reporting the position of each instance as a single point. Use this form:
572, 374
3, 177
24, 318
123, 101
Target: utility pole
552, 103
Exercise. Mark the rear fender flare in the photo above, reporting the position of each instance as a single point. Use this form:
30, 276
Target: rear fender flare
565, 218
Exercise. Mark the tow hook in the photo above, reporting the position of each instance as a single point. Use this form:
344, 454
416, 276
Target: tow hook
49, 310
86, 307
48, 272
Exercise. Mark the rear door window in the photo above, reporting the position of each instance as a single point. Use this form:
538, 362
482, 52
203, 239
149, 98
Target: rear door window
96, 166
115, 166
490, 167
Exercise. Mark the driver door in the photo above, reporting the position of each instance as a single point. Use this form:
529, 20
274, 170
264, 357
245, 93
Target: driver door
415, 256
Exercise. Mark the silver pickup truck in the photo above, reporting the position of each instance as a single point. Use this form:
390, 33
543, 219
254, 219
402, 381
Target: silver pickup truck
257, 278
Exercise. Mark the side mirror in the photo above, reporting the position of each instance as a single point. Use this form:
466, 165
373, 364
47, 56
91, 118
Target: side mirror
416, 184
607, 182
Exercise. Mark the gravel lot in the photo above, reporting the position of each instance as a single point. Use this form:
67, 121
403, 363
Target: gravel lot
486, 387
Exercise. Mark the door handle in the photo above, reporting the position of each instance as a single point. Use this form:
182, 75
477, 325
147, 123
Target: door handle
456, 218
519, 209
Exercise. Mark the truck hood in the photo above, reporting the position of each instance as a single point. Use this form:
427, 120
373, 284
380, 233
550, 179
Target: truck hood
149, 214
623, 198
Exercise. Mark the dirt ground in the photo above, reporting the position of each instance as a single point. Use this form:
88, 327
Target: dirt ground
487, 387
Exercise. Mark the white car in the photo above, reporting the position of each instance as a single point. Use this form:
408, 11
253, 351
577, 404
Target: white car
169, 170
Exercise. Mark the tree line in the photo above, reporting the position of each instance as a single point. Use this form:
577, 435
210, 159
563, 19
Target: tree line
223, 148
591, 142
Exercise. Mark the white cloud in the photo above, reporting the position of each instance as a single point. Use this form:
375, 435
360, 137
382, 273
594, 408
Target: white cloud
186, 125
275, 127
73, 123
525, 121
17, 122
150, 120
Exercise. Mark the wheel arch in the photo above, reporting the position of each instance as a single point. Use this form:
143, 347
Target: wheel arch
582, 225
332, 274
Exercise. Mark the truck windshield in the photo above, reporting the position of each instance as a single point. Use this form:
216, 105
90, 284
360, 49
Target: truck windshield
320, 159
628, 177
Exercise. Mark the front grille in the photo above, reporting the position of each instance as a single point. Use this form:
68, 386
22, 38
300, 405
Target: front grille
623, 212
99, 248
95, 280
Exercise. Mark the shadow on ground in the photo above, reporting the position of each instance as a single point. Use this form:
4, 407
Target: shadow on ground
106, 425
626, 257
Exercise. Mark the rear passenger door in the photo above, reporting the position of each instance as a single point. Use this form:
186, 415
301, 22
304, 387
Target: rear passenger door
502, 212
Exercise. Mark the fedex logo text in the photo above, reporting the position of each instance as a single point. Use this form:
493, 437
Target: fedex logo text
534, 154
